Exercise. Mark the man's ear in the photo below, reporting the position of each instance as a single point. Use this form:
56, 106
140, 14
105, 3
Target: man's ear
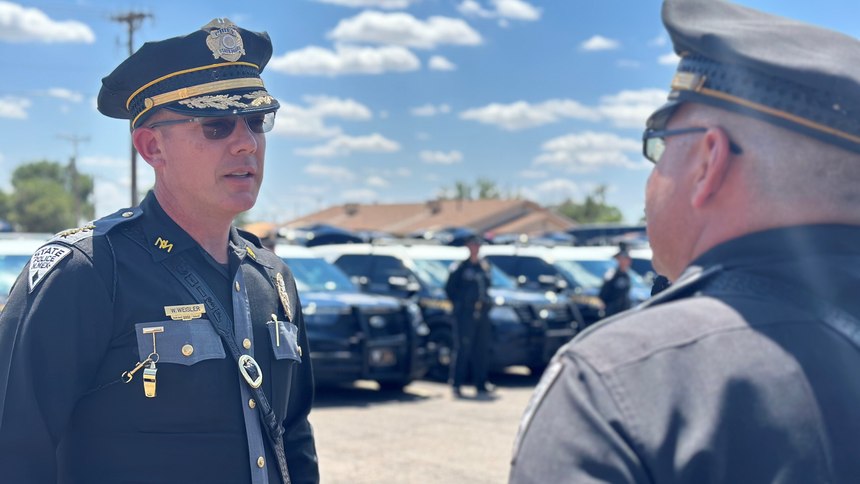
714, 164
147, 142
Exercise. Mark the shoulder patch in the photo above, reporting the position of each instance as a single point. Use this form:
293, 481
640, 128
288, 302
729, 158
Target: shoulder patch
43, 260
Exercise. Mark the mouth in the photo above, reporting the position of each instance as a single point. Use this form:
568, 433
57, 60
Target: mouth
240, 174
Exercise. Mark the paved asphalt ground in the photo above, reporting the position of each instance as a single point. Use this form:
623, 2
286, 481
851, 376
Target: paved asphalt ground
423, 435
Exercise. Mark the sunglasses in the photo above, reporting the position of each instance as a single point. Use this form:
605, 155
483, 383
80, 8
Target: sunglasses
220, 128
654, 142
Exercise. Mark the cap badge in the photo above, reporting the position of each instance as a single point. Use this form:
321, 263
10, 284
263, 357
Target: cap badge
224, 40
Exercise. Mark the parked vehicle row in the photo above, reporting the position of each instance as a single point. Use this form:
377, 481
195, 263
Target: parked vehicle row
380, 312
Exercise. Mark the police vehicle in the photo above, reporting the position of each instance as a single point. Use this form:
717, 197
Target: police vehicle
15, 251
527, 327
536, 268
354, 335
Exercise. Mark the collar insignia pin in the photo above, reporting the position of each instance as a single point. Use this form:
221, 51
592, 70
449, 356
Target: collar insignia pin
282, 294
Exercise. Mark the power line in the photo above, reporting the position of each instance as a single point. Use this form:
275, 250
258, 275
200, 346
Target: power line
73, 171
133, 21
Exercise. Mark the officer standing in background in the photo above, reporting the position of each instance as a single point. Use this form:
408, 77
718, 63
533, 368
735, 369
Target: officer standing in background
615, 292
468, 289
745, 369
161, 344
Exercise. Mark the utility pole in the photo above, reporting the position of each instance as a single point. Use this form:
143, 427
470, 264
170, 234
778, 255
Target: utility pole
73, 171
133, 20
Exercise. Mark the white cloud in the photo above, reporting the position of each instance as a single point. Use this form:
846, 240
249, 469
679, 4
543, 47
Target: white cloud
11, 107
627, 109
346, 59
522, 115
345, 145
669, 59
428, 110
20, 24
630, 109
376, 181
384, 4
309, 122
516, 9
361, 195
533, 173
659, 41
403, 29
333, 173
66, 94
439, 63
599, 42
441, 157
501, 9
552, 191
587, 151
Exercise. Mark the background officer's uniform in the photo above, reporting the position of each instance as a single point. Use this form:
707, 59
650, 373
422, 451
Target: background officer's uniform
615, 292
467, 288
745, 369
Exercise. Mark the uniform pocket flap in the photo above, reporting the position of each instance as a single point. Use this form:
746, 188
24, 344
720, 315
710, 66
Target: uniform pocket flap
286, 344
182, 342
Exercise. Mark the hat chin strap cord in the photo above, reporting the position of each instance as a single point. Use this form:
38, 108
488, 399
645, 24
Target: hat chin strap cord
182, 271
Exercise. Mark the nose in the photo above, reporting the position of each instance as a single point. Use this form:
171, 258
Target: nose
242, 139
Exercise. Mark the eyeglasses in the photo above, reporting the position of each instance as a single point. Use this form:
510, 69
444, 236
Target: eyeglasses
220, 128
654, 143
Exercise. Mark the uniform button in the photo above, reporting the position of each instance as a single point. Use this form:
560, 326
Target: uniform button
252, 403
187, 350
261, 462
246, 343
127, 214
237, 286
299, 349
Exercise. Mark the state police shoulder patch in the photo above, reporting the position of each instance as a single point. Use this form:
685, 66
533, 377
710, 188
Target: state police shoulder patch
43, 260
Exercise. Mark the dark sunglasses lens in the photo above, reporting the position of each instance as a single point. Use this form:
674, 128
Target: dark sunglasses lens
260, 123
218, 128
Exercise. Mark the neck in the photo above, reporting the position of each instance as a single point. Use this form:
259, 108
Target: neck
212, 232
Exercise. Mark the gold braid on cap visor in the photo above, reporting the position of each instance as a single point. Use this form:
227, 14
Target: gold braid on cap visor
193, 91
684, 81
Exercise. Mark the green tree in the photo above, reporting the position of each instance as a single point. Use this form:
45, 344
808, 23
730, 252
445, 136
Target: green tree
593, 209
487, 189
48, 197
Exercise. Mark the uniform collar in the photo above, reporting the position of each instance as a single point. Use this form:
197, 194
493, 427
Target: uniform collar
782, 246
164, 237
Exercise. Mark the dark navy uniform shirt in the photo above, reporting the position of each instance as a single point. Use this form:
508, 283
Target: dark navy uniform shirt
615, 292
730, 375
467, 285
74, 323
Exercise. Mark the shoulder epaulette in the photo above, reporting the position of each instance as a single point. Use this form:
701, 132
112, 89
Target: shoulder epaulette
97, 227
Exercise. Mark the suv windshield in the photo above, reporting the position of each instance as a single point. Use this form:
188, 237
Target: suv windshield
436, 271
315, 274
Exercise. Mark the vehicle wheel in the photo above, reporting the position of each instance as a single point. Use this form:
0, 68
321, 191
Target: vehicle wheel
444, 342
393, 385
537, 370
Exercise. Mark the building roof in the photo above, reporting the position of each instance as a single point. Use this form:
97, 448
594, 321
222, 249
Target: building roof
483, 216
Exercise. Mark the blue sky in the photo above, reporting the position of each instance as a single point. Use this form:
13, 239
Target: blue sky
383, 101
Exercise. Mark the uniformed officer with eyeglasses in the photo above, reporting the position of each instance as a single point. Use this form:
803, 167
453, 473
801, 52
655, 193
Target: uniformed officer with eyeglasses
744, 370
160, 343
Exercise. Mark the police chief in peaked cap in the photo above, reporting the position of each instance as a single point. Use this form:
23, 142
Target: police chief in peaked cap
161, 343
744, 369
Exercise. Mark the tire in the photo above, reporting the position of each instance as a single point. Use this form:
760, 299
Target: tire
393, 385
443, 340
